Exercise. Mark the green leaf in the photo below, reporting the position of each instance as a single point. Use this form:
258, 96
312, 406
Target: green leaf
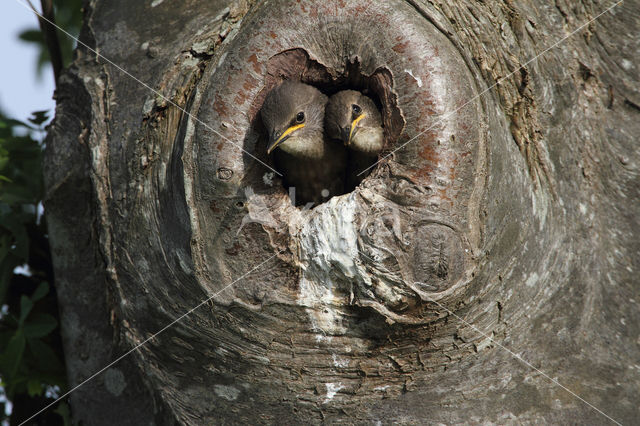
46, 358
65, 413
39, 325
31, 36
39, 117
34, 387
41, 291
12, 355
25, 308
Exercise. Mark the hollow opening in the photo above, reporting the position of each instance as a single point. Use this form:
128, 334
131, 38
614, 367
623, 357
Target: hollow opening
296, 65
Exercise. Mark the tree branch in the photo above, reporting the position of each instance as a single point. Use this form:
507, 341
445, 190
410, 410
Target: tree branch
46, 20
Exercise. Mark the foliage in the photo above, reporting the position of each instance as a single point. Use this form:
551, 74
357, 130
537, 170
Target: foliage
32, 372
30, 352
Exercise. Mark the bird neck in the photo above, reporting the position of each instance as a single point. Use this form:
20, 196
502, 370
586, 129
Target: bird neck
368, 140
310, 145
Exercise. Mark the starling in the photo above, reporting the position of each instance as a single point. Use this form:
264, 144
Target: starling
293, 114
354, 119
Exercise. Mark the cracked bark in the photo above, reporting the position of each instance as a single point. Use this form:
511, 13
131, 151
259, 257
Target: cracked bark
517, 214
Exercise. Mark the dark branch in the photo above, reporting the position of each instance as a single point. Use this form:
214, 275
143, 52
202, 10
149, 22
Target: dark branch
46, 20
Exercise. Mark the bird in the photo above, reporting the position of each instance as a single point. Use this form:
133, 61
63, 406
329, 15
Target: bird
353, 119
293, 115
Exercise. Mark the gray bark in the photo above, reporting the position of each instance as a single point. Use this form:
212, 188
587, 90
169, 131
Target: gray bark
507, 229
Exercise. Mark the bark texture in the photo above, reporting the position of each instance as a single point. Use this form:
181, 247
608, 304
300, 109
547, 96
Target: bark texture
506, 224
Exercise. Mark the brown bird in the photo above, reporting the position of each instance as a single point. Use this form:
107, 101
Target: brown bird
293, 114
354, 119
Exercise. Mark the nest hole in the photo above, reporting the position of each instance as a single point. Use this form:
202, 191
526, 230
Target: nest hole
296, 65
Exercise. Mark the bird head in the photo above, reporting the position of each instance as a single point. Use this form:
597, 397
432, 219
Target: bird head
347, 113
293, 114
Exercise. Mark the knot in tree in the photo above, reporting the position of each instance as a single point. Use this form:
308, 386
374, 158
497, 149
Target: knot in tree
346, 211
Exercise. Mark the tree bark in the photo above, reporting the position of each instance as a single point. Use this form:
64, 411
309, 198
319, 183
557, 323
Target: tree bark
485, 271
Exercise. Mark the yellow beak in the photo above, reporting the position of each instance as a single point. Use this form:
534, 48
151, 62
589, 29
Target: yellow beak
283, 137
354, 123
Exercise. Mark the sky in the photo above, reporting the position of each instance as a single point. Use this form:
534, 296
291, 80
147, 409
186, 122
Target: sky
21, 92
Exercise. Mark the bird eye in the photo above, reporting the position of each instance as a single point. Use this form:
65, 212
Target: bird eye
356, 109
300, 117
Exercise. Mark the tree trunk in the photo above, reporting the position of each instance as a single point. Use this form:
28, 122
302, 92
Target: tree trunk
486, 269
